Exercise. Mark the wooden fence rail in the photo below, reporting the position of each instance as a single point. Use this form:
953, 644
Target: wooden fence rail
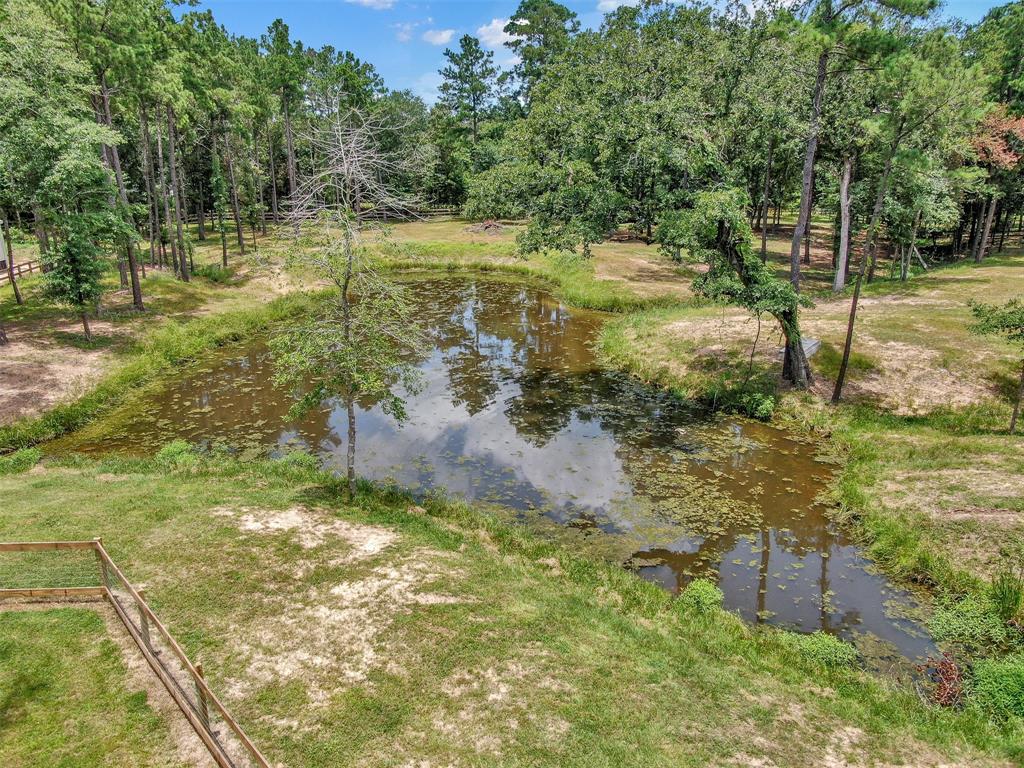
20, 269
192, 695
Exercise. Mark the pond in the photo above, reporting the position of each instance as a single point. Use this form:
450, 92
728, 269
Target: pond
515, 411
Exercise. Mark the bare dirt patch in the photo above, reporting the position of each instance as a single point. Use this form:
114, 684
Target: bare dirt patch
38, 372
337, 634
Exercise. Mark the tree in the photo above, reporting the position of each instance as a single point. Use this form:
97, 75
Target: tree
924, 95
719, 234
1006, 321
74, 276
838, 27
358, 348
468, 82
539, 31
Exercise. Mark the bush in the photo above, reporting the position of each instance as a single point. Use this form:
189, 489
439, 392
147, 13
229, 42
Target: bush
823, 649
1006, 592
701, 597
973, 623
997, 688
177, 454
20, 461
215, 273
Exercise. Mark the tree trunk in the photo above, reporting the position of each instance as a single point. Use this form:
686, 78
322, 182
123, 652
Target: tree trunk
234, 197
987, 232
876, 217
115, 158
976, 224
290, 147
10, 259
85, 326
257, 183
273, 173
182, 255
1016, 406
3, 334
201, 213
44, 239
842, 258
905, 261
764, 199
808, 175
147, 170
167, 202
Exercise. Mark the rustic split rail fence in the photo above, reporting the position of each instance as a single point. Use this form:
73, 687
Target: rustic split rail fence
87, 571
19, 269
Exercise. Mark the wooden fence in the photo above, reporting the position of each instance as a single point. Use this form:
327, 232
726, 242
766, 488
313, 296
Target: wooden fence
20, 269
223, 737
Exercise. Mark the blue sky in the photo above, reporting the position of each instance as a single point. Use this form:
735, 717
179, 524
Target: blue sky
405, 39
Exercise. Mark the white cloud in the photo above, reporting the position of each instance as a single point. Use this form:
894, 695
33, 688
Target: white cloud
377, 5
438, 36
403, 32
493, 34
607, 6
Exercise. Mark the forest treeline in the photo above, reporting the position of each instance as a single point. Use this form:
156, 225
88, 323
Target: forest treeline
123, 121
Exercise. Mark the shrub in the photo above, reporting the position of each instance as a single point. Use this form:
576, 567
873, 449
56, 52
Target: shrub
177, 454
701, 597
973, 623
1006, 592
823, 649
215, 273
20, 461
998, 687
947, 678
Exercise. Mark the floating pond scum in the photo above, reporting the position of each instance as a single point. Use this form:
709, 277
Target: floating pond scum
515, 412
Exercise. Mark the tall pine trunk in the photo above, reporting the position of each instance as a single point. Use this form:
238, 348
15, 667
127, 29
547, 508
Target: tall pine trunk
764, 199
167, 202
987, 231
153, 213
290, 148
171, 144
842, 258
115, 159
234, 196
273, 173
808, 175
876, 218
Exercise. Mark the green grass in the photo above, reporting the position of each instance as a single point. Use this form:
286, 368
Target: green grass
65, 699
527, 654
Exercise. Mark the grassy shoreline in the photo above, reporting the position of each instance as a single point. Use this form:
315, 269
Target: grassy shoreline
551, 638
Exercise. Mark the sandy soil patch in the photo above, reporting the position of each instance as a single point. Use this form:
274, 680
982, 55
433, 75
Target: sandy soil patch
38, 372
338, 634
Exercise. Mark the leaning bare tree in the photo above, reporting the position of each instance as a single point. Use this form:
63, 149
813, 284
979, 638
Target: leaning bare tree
360, 347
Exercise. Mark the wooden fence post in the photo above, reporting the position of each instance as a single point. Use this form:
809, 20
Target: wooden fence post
104, 576
144, 620
204, 709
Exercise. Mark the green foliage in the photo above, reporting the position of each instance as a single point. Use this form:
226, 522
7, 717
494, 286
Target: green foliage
177, 454
822, 648
1006, 321
701, 597
20, 461
997, 687
215, 273
973, 623
1006, 592
74, 277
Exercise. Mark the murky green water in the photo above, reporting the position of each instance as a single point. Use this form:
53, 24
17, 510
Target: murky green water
515, 411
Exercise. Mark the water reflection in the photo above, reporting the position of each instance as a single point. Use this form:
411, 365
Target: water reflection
514, 411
